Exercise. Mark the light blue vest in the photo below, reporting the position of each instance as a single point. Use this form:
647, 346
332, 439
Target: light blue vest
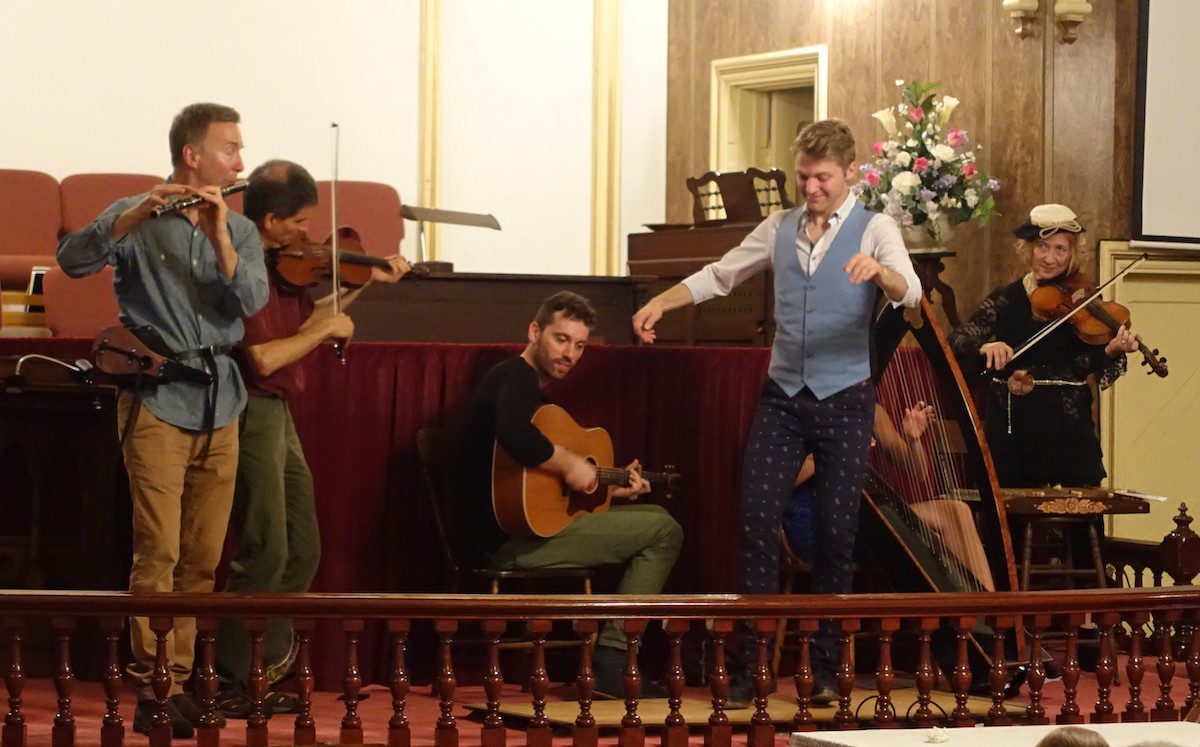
823, 322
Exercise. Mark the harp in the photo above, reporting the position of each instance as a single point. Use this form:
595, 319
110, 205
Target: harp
933, 511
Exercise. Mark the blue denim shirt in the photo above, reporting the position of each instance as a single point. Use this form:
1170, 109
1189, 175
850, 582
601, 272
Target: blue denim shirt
167, 277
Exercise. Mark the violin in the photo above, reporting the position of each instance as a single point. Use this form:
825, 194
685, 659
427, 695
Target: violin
1097, 323
301, 264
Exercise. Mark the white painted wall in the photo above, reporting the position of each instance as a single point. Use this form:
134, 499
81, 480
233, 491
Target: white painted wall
92, 86
643, 117
516, 117
516, 138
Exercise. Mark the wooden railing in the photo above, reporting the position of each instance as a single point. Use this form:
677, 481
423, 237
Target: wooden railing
1026, 615
1175, 560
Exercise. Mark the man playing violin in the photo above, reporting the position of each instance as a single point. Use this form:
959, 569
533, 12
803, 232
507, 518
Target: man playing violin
190, 276
642, 537
1039, 423
274, 513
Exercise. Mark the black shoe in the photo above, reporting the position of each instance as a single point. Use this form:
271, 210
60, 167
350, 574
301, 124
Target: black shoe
281, 702
981, 684
190, 709
236, 704
823, 692
608, 664
740, 694
1053, 671
143, 720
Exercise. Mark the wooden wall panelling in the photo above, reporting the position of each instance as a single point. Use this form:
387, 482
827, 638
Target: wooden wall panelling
1055, 119
962, 61
905, 52
1016, 137
1125, 26
854, 68
1082, 134
683, 112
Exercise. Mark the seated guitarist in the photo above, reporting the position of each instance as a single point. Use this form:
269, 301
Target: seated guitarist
642, 537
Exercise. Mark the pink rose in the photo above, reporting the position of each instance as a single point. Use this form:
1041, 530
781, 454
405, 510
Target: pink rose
877, 149
872, 178
969, 170
955, 138
920, 164
916, 114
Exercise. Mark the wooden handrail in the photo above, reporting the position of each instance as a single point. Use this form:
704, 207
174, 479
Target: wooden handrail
19, 603
1176, 641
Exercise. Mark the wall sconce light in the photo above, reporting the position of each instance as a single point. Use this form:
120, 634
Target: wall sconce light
1022, 13
1069, 14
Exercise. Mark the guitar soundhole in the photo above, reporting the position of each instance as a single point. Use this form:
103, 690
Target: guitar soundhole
586, 502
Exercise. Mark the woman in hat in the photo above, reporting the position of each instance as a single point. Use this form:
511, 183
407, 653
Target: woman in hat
1042, 435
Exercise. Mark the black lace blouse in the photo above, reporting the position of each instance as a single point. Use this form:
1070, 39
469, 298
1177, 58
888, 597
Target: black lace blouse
1045, 437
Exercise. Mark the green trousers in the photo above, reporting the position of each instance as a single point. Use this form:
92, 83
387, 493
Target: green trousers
643, 537
275, 519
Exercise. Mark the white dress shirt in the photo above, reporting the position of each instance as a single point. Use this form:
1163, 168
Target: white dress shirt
881, 240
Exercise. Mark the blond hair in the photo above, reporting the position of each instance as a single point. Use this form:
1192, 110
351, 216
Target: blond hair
1072, 736
1024, 249
829, 138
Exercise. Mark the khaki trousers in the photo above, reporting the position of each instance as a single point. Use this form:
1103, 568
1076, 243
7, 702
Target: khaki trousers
180, 514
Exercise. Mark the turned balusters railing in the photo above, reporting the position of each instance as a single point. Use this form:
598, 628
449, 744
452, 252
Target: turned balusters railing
304, 730
585, 732
1171, 656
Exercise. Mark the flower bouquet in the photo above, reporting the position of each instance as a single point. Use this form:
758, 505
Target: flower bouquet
924, 175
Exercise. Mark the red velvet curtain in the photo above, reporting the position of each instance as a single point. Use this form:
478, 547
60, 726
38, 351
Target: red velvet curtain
688, 407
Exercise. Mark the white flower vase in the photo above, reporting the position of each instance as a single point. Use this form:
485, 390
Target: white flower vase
930, 237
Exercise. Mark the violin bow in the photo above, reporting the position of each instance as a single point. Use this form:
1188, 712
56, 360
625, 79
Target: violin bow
339, 348
1041, 333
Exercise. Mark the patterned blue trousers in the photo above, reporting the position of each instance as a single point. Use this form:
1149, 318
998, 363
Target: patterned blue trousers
837, 432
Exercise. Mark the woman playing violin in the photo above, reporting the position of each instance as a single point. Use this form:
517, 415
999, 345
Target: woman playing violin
1039, 417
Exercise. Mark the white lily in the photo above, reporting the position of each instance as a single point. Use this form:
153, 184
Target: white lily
887, 118
948, 104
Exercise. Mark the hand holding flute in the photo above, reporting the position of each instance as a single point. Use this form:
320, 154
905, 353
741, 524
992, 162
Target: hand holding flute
170, 198
174, 206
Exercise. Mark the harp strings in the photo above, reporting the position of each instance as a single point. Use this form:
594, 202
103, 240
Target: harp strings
926, 473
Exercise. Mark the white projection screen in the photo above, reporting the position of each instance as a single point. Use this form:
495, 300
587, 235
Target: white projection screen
1167, 157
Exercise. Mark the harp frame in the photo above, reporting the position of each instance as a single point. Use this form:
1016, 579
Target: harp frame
892, 326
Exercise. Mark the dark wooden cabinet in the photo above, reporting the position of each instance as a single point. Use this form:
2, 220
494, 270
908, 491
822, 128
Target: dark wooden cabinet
65, 523
468, 307
744, 317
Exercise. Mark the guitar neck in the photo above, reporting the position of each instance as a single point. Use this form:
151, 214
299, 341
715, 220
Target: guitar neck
620, 477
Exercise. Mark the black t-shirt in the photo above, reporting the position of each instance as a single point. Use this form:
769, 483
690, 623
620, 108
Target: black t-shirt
501, 410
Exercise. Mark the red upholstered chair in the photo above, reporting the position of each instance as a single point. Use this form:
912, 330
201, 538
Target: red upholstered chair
30, 217
79, 307
371, 208
85, 196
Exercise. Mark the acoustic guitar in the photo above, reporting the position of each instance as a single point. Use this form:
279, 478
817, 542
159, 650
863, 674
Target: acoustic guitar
528, 500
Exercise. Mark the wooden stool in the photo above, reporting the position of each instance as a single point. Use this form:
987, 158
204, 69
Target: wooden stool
1062, 565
